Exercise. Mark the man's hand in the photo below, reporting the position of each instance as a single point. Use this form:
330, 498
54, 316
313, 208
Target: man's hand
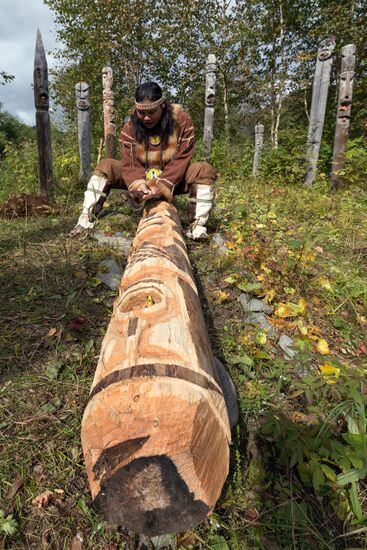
153, 191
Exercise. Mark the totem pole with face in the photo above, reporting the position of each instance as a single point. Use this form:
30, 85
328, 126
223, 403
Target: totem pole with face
84, 130
318, 107
343, 113
41, 101
259, 140
211, 64
109, 112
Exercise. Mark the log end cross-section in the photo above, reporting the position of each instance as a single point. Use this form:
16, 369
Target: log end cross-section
155, 431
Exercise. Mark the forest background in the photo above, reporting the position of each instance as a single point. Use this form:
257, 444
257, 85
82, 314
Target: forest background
299, 466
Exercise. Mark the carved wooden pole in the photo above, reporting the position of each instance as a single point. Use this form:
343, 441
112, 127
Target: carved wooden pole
344, 112
211, 64
109, 112
41, 101
84, 132
318, 106
155, 431
259, 140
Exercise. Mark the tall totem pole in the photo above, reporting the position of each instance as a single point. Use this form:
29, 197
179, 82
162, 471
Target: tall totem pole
211, 64
109, 112
41, 101
84, 133
318, 106
344, 112
259, 140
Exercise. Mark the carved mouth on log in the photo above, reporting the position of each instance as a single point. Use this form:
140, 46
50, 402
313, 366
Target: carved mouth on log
146, 482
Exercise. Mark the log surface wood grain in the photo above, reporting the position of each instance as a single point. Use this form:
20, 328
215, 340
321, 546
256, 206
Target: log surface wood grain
155, 431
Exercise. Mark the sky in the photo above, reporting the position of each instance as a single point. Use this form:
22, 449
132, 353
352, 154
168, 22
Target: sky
19, 20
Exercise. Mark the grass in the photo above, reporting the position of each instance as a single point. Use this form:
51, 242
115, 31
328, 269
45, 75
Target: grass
285, 244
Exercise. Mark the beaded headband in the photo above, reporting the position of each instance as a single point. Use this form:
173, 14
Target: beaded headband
149, 106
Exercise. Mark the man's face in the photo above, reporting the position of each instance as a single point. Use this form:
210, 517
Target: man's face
150, 117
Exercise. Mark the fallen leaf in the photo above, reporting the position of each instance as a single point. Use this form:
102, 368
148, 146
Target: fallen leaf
52, 331
81, 275
220, 295
187, 539
76, 543
17, 484
230, 245
330, 372
322, 347
42, 499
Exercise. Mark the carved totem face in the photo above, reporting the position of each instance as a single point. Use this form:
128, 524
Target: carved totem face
326, 48
107, 77
82, 96
41, 95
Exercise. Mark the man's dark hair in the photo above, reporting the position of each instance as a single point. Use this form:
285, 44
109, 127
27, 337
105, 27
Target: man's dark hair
151, 91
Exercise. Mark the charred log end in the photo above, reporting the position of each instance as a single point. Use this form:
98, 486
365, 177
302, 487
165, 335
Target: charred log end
149, 496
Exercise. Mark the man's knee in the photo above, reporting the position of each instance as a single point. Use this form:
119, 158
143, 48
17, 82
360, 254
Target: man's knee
111, 170
202, 173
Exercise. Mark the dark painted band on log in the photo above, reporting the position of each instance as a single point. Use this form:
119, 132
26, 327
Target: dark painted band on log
159, 369
155, 475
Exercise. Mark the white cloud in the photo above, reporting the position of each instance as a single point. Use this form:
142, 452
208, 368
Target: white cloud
19, 21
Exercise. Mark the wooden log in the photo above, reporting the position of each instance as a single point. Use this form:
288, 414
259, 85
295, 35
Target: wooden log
155, 431
318, 106
343, 113
84, 130
211, 64
109, 112
259, 140
41, 101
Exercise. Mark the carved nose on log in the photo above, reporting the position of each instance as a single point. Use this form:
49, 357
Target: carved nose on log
155, 431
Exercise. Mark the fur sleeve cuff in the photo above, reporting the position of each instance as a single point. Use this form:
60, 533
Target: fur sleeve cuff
134, 185
166, 192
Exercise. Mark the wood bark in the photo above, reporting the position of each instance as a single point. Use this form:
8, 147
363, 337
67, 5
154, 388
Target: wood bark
259, 140
343, 113
109, 112
84, 130
41, 101
318, 107
211, 64
155, 431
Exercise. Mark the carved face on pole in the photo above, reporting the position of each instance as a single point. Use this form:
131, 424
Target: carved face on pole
107, 77
326, 49
41, 95
82, 96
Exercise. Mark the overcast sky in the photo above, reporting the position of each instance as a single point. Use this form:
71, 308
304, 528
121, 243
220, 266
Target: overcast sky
19, 20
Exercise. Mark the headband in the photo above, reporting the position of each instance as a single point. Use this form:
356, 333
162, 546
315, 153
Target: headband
149, 106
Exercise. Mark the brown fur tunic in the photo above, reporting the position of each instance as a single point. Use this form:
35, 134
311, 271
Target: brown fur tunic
174, 158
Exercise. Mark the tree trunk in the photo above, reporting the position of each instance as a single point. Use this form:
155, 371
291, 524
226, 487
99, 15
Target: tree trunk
155, 431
